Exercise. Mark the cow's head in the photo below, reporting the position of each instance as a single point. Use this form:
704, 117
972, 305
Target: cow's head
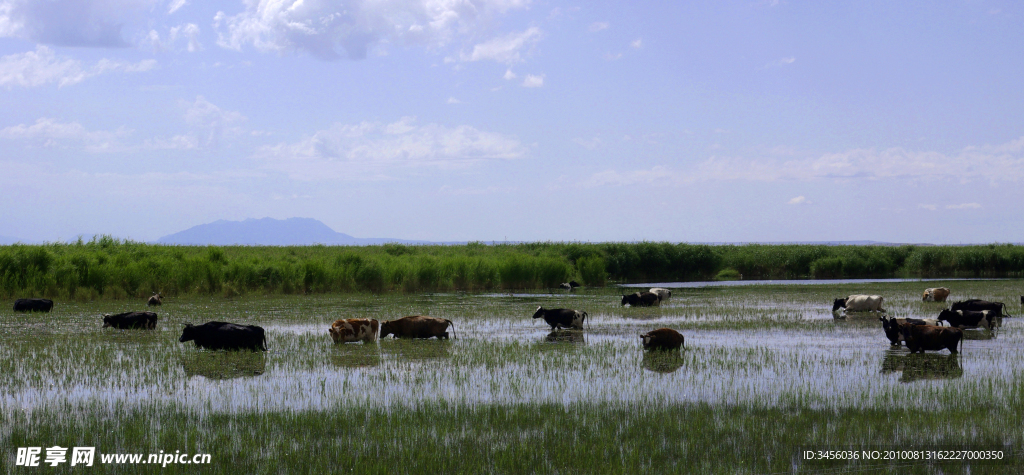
839, 303
539, 313
107, 321
628, 298
946, 314
188, 333
386, 328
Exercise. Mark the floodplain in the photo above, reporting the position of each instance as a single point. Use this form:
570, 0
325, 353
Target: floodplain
767, 373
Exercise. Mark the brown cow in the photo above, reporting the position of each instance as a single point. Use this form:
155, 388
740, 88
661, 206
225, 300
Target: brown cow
417, 326
354, 329
662, 339
927, 337
938, 294
156, 299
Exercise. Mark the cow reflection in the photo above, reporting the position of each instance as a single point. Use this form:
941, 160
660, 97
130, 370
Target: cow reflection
355, 356
662, 361
566, 336
924, 366
224, 364
410, 350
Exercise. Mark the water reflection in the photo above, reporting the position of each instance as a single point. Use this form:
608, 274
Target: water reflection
401, 349
662, 361
355, 355
567, 336
916, 367
224, 364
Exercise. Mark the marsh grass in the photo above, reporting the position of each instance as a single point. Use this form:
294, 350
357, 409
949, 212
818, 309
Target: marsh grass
766, 370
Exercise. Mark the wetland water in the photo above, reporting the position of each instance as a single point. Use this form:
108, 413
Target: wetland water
764, 347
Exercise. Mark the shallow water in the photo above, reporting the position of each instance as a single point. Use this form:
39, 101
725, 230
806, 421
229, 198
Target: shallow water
766, 345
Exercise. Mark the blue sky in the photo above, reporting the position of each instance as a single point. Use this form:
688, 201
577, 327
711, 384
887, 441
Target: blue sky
453, 120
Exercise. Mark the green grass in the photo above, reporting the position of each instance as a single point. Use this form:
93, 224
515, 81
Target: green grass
111, 269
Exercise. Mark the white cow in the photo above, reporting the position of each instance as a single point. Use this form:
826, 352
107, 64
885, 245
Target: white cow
859, 303
663, 294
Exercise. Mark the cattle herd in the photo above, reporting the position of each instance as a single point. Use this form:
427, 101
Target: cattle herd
919, 334
930, 334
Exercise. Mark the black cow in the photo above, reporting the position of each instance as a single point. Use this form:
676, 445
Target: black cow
926, 337
641, 299
561, 317
977, 305
891, 327
968, 318
571, 285
33, 305
156, 299
662, 339
225, 336
127, 320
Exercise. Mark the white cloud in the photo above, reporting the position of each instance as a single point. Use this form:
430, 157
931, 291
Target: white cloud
995, 163
781, 62
799, 200
533, 81
452, 100
175, 5
505, 49
617, 178
42, 66
928, 207
509, 75
329, 29
89, 23
637, 43
50, 133
598, 26
589, 144
212, 122
372, 149
189, 32
964, 206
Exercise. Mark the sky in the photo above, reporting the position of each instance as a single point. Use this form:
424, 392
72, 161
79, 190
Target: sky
525, 120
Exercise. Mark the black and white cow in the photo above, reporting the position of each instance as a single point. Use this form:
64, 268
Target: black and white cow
571, 285
968, 318
641, 299
225, 336
561, 317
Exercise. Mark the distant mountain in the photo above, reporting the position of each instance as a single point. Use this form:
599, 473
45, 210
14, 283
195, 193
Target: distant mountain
271, 232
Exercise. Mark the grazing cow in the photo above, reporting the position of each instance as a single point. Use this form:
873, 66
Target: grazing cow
662, 339
354, 329
1022, 299
128, 320
571, 285
156, 299
859, 303
891, 327
417, 326
977, 305
225, 336
641, 299
968, 318
561, 317
926, 337
33, 305
663, 294
937, 294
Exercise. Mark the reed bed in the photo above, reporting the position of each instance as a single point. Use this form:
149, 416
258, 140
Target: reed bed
111, 269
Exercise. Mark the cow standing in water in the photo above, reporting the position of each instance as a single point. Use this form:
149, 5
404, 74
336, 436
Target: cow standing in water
155, 300
225, 336
354, 329
641, 299
417, 326
33, 305
859, 303
926, 337
129, 320
662, 339
561, 317
938, 294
